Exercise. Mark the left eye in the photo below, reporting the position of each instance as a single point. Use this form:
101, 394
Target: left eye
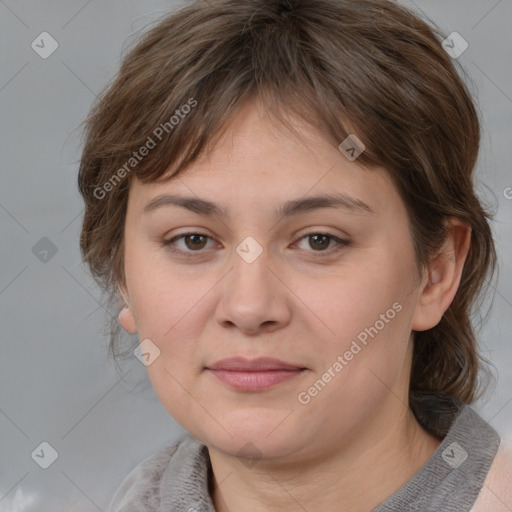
322, 240
194, 242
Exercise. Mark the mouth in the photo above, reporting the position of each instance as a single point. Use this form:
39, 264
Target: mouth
254, 374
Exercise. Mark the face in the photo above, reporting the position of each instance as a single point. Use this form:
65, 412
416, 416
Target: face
328, 288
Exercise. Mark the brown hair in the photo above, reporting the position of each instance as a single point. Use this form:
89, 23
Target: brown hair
371, 67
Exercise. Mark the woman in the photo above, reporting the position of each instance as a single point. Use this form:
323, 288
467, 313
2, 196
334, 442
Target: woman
280, 192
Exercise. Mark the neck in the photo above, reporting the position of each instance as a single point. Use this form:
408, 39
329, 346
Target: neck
361, 473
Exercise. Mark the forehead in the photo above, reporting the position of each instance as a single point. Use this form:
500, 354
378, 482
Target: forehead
258, 162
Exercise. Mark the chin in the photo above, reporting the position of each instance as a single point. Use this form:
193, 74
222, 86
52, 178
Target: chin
254, 441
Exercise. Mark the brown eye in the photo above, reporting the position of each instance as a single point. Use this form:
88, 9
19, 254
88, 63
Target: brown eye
196, 241
192, 243
320, 242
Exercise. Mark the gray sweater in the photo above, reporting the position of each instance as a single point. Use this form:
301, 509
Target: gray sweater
177, 478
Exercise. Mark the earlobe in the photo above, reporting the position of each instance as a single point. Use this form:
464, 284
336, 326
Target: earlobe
439, 287
126, 318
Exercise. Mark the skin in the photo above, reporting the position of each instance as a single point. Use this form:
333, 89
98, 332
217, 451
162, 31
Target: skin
303, 301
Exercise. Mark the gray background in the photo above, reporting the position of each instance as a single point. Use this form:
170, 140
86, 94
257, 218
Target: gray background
57, 384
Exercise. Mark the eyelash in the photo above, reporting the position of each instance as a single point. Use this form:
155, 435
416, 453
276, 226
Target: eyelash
328, 252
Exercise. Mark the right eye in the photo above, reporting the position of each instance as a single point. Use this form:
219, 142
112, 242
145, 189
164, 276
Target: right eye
193, 241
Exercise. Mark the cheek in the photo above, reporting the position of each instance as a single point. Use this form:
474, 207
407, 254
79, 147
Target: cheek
349, 304
364, 330
162, 298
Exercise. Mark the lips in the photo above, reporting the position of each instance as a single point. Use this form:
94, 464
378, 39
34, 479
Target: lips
254, 374
253, 365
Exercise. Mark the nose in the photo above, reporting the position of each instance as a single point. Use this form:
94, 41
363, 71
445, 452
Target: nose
253, 297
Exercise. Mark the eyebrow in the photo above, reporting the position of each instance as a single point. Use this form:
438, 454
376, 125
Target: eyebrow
288, 209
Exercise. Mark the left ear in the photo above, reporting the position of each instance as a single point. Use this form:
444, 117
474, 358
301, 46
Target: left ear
439, 286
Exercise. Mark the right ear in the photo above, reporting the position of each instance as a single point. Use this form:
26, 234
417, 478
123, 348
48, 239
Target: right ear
126, 318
